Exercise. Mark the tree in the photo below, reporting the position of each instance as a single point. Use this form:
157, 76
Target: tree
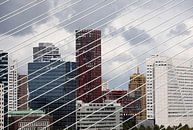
156, 127
135, 128
169, 128
179, 126
185, 127
129, 124
142, 127
162, 127
148, 128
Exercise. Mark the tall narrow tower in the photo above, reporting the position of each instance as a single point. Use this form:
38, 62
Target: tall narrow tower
88, 57
137, 83
12, 85
4, 81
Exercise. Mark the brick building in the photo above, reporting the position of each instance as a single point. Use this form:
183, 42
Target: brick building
88, 48
126, 101
22, 92
21, 123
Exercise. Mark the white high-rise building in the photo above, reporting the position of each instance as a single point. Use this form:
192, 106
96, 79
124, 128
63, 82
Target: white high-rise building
86, 109
169, 91
1, 107
105, 85
12, 86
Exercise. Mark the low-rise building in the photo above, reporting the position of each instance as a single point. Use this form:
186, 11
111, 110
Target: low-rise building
130, 106
20, 124
86, 109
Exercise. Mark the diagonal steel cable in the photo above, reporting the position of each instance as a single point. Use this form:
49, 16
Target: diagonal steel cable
50, 11
49, 64
4, 2
21, 97
141, 17
68, 24
50, 90
59, 24
15, 11
143, 85
167, 106
177, 117
82, 95
160, 110
91, 24
84, 28
36, 77
154, 90
134, 89
6, 17
188, 121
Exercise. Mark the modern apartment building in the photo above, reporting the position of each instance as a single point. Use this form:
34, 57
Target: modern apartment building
108, 123
169, 91
88, 58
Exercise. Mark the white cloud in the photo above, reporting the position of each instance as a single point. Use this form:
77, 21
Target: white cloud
115, 25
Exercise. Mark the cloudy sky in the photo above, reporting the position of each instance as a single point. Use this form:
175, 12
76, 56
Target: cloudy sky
130, 28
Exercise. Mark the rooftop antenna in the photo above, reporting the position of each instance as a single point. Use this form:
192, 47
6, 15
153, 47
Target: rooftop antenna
137, 69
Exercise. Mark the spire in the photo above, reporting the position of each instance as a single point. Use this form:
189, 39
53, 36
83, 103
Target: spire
137, 69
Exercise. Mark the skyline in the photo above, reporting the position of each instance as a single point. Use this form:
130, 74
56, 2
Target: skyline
135, 55
116, 23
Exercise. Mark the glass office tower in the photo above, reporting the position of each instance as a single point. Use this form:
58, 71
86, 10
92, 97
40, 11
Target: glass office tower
55, 71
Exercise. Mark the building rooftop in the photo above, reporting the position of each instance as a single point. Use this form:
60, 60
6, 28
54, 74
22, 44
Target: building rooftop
26, 112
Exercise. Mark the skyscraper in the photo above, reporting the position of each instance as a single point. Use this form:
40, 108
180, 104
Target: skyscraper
1, 107
169, 91
12, 87
22, 92
138, 80
60, 90
88, 56
4, 80
45, 52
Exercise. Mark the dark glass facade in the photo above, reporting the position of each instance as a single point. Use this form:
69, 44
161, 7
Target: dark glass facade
88, 59
36, 83
4, 81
